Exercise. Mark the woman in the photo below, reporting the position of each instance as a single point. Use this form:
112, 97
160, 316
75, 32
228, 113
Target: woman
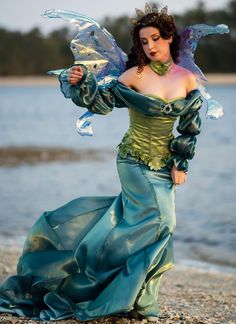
98, 256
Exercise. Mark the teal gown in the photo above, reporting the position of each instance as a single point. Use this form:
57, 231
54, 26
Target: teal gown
98, 256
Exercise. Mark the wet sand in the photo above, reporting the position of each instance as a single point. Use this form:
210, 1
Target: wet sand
15, 156
212, 78
187, 295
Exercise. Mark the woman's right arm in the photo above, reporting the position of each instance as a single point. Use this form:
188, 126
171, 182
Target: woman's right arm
81, 86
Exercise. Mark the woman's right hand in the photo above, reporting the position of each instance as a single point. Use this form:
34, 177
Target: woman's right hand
75, 74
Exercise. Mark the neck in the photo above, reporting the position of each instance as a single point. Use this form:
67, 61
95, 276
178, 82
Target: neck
161, 68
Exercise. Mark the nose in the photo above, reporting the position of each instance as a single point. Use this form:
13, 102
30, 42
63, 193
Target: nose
150, 45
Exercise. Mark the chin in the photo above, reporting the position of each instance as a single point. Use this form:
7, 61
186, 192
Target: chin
155, 58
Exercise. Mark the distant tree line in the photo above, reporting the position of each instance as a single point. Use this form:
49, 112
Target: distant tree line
34, 54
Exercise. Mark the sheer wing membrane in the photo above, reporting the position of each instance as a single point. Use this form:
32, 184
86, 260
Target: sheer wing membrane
92, 46
189, 40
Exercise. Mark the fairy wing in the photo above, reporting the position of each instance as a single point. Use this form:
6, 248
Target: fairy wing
188, 44
92, 46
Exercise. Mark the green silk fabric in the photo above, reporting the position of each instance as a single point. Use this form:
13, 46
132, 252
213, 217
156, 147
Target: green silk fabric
148, 139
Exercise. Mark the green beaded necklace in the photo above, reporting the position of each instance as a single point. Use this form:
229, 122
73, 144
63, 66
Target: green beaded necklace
161, 68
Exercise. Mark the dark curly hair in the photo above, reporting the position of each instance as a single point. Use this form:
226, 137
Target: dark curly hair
167, 27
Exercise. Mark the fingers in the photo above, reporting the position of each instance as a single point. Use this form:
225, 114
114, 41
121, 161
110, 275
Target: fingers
77, 70
178, 180
178, 177
75, 74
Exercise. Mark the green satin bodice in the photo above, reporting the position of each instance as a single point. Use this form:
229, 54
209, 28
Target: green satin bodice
152, 119
148, 139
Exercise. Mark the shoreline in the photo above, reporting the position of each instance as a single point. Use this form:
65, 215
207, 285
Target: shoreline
187, 295
212, 79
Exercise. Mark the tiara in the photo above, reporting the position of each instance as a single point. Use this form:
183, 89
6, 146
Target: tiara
149, 8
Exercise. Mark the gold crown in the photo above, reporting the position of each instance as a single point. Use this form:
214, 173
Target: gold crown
149, 8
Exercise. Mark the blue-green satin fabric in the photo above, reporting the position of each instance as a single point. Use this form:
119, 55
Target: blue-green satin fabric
101, 99
97, 256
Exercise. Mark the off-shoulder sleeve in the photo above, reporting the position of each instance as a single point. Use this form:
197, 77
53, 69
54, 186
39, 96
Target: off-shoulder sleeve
98, 99
183, 146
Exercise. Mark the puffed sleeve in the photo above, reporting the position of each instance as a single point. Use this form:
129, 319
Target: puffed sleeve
98, 99
183, 146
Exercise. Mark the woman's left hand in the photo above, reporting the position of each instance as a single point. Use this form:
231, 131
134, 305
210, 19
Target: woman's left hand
178, 177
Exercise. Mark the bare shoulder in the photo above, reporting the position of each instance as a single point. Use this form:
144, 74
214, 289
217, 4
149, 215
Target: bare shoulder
189, 79
129, 77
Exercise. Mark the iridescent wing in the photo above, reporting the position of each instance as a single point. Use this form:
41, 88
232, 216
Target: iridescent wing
92, 46
189, 40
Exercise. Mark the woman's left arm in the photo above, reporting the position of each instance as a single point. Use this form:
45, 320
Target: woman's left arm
183, 146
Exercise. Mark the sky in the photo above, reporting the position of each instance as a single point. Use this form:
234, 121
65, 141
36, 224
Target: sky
23, 15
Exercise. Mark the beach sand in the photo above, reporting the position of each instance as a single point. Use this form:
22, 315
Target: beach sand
212, 78
187, 295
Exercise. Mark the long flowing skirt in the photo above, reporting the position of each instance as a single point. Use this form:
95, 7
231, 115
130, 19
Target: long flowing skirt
97, 256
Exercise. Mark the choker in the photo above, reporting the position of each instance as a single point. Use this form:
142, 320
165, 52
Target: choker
161, 68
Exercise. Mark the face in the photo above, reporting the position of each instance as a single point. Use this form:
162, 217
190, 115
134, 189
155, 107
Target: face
155, 47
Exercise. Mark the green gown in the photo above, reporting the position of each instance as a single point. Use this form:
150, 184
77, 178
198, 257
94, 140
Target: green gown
98, 256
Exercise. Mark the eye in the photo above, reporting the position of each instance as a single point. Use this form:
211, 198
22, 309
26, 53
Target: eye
144, 42
155, 38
